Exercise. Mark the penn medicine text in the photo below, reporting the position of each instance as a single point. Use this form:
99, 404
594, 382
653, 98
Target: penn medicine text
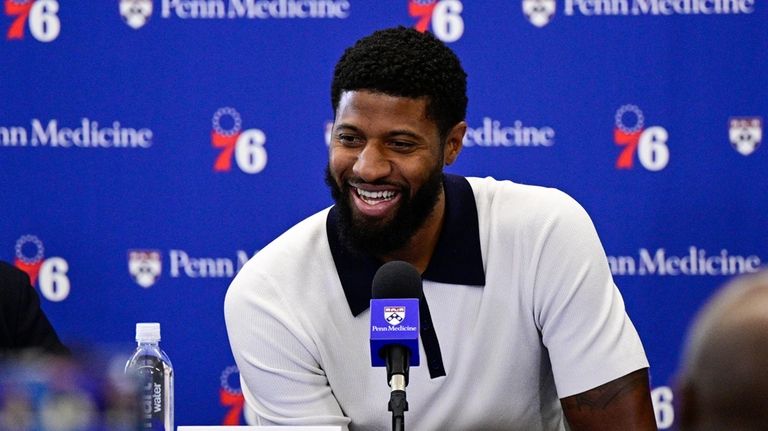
659, 7
696, 262
255, 9
89, 135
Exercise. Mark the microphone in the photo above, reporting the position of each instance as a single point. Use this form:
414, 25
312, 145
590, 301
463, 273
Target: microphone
394, 337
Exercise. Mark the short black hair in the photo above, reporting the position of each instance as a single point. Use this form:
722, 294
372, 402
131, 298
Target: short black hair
404, 62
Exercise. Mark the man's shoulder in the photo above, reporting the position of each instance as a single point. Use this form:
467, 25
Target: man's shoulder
289, 255
521, 199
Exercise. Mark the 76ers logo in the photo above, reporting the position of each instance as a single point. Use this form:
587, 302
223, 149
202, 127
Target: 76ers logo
44, 24
246, 145
51, 273
444, 15
650, 144
230, 395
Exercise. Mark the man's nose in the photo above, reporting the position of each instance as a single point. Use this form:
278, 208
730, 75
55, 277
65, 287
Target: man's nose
372, 163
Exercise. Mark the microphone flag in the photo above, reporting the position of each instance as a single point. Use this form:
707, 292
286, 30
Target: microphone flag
394, 321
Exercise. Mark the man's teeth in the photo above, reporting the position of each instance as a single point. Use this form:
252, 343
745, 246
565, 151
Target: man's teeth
373, 197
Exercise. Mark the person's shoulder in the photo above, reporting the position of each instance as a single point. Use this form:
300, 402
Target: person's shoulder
524, 198
12, 277
9, 271
308, 232
287, 254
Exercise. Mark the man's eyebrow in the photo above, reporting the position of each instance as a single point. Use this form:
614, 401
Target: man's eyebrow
346, 126
390, 134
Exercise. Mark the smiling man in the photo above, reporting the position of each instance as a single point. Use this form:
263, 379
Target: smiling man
522, 326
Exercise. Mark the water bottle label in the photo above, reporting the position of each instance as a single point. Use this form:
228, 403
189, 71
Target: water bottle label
150, 371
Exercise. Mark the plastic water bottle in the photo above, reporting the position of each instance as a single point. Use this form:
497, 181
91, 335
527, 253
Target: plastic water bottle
154, 374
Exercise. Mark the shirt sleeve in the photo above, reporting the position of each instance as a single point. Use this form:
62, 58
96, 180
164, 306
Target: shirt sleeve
579, 310
282, 380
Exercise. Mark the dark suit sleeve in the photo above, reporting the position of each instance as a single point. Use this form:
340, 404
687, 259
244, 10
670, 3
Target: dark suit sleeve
23, 324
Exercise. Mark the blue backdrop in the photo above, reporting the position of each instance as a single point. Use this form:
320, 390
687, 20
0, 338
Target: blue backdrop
148, 148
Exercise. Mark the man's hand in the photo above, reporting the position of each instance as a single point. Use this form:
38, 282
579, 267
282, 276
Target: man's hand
622, 404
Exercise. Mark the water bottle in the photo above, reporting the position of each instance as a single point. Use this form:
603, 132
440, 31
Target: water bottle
154, 375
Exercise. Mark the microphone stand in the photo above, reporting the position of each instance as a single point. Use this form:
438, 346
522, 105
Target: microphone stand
398, 359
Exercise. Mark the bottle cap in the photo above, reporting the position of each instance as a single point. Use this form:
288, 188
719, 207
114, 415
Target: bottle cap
147, 332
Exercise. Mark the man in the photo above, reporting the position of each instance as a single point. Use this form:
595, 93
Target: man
723, 383
523, 325
23, 325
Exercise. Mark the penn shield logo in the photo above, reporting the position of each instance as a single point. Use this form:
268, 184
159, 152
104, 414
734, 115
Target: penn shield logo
145, 266
394, 315
745, 134
539, 12
649, 144
135, 13
41, 16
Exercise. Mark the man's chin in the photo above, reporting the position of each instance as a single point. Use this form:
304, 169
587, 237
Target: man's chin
372, 225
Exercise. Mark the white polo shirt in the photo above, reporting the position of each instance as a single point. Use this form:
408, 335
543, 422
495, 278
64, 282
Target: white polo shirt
521, 310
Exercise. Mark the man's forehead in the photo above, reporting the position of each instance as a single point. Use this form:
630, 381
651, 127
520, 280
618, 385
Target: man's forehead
382, 105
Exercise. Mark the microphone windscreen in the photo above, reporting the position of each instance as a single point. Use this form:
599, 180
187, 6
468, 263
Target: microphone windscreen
397, 279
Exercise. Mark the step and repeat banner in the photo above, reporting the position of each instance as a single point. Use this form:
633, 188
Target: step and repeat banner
148, 148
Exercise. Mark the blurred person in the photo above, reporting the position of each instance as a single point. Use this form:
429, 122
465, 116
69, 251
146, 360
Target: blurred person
23, 324
525, 328
723, 381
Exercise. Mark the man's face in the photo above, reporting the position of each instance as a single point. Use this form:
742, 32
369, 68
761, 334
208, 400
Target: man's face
385, 169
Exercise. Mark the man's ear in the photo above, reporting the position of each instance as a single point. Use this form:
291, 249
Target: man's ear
454, 142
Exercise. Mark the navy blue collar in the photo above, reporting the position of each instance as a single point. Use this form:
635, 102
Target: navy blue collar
456, 260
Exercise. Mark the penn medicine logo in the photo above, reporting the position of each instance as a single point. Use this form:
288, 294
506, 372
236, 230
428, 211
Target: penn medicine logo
145, 266
394, 315
694, 261
539, 12
745, 134
255, 9
135, 13
89, 134
650, 144
493, 133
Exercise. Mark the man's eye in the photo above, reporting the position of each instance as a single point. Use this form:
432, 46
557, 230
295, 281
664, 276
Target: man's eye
401, 145
349, 140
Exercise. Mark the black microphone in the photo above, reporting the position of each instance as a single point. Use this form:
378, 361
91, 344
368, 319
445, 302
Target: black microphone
394, 309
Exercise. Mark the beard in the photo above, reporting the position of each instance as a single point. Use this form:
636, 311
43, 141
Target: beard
381, 237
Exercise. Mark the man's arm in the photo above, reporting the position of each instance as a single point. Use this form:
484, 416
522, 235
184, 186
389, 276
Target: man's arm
621, 404
282, 380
